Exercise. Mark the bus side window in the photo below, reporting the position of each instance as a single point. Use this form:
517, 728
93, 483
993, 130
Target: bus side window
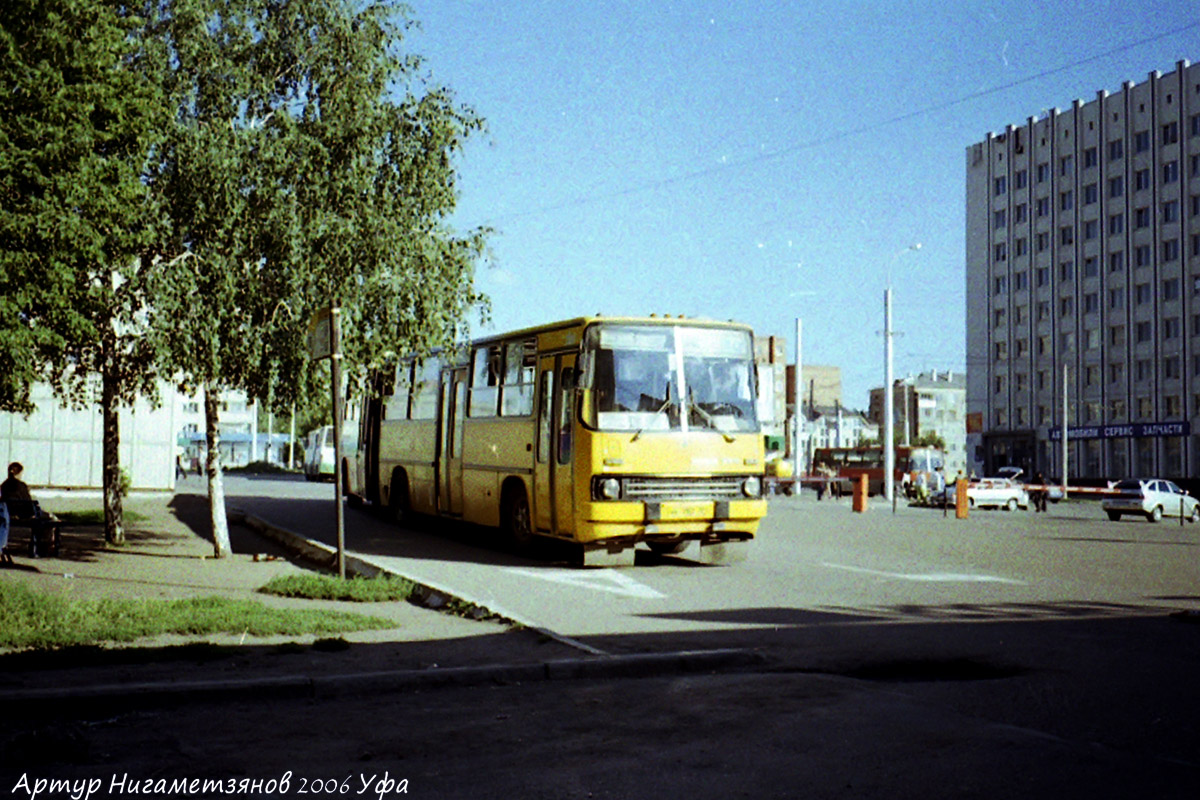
485, 380
566, 409
516, 398
545, 400
396, 392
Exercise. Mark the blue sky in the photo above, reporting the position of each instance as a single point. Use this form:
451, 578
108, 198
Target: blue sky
760, 162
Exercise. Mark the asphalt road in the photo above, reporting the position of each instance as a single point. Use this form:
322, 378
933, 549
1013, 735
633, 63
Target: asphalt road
812, 562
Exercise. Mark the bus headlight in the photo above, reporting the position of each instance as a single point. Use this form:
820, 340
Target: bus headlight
610, 488
752, 487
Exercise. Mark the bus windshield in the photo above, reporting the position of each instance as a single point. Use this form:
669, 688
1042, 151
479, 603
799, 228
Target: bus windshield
660, 378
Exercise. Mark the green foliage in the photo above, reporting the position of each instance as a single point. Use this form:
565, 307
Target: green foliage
77, 128
34, 620
930, 439
328, 587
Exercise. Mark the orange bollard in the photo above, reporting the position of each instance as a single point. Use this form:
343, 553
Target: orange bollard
859, 503
960, 500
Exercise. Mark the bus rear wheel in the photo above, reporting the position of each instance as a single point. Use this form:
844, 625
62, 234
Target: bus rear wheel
517, 521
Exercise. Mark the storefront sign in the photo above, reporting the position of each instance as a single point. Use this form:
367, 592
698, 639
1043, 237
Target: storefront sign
1138, 430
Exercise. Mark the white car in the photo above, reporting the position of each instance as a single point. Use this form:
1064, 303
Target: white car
997, 493
1053, 493
1152, 498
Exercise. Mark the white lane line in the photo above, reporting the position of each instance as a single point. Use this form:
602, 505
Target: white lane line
927, 577
602, 580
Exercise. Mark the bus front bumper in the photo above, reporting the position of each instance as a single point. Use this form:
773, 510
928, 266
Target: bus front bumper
671, 520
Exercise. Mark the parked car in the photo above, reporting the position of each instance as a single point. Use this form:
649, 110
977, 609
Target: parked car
1152, 498
1053, 494
989, 493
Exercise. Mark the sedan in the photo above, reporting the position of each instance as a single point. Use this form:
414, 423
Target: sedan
989, 493
1152, 498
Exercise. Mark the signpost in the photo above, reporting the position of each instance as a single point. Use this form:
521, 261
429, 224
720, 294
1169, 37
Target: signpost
325, 341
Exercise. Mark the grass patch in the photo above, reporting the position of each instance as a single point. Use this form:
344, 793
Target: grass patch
95, 516
327, 587
34, 620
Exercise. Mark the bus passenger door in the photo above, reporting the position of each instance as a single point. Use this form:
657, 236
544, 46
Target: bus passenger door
450, 463
564, 446
543, 519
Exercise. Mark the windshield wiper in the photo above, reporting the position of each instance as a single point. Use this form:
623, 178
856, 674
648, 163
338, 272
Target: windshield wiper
661, 409
707, 417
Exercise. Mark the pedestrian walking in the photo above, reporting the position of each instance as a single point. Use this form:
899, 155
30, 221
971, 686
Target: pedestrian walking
1039, 494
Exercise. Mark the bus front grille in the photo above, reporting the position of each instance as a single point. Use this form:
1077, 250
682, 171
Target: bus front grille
647, 488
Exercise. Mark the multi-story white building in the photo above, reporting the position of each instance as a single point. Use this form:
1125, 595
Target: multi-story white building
930, 403
1083, 282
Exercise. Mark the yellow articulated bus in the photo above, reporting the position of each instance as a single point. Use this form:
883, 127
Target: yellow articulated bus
604, 432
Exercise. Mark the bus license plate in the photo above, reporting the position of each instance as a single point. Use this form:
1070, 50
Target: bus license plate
699, 509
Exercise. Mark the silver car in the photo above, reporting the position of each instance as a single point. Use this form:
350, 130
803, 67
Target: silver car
1152, 498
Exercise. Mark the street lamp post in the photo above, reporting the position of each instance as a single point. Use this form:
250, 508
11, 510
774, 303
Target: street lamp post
889, 410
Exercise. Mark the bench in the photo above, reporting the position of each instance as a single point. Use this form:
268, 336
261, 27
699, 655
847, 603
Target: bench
43, 527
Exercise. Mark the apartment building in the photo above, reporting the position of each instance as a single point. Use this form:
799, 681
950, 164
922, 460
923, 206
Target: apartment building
930, 403
1083, 285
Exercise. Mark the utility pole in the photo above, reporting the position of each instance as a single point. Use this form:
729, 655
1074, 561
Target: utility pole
798, 418
1064, 432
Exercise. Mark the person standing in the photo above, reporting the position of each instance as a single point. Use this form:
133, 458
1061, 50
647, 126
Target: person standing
1039, 494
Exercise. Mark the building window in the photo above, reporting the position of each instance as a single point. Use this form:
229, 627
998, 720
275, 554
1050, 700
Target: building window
1019, 213
1066, 165
1141, 180
1170, 289
1043, 172
1091, 267
1170, 250
1091, 229
1090, 157
1195, 249
1001, 251
1041, 206
1091, 375
1092, 341
1091, 302
998, 317
1066, 271
1091, 194
1043, 276
1116, 261
1116, 224
1194, 205
1194, 165
1172, 407
1171, 328
1142, 332
1170, 211
1000, 219
1043, 345
1000, 185
1020, 281
1020, 179
1116, 150
1143, 370
1001, 351
1066, 306
1116, 297
1141, 255
1066, 201
1141, 141
1142, 293
1171, 368
1141, 217
1170, 133
1020, 246
1194, 125
1116, 373
1066, 235
1116, 336
1067, 340
1040, 242
1116, 187
1043, 309
1170, 172
1001, 285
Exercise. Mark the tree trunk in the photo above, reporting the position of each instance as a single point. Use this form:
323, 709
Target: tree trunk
114, 518
216, 487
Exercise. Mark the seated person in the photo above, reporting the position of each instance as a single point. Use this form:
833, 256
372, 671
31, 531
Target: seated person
13, 487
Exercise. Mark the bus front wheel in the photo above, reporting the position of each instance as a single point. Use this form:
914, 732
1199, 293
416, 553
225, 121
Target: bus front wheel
517, 521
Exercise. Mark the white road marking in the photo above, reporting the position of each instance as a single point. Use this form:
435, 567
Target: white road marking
602, 580
928, 577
